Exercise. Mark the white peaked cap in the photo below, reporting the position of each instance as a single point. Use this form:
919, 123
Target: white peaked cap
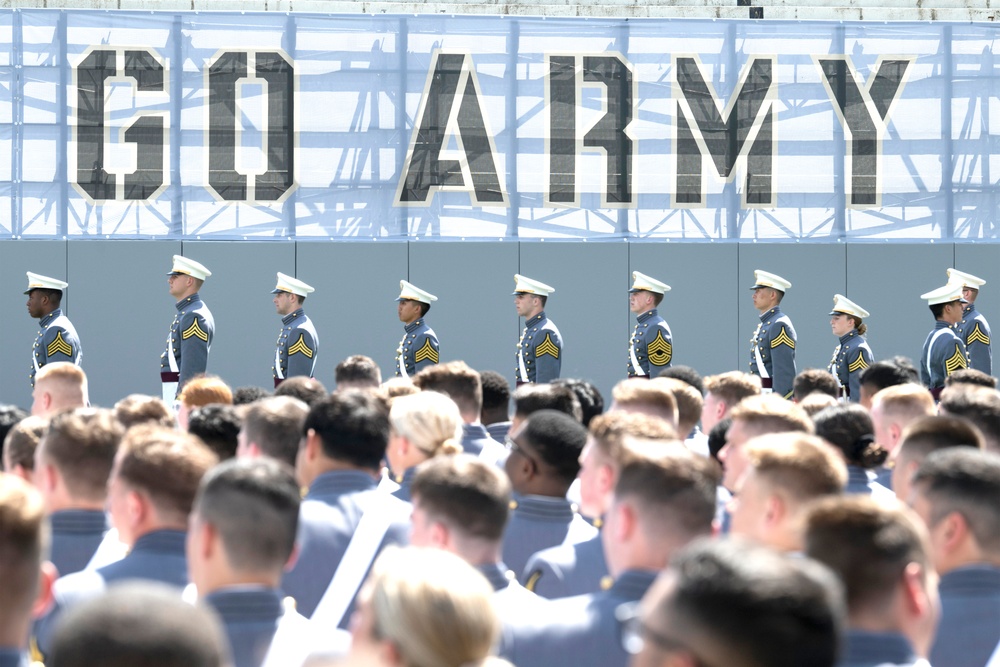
413, 293
774, 281
525, 285
643, 283
965, 279
38, 281
189, 267
288, 284
947, 294
841, 304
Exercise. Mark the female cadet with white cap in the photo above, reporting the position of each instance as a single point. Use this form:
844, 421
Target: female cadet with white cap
852, 356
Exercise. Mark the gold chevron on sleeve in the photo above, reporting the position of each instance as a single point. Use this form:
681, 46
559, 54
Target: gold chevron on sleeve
977, 336
547, 347
427, 352
195, 330
300, 347
858, 364
659, 350
533, 580
60, 345
783, 339
956, 362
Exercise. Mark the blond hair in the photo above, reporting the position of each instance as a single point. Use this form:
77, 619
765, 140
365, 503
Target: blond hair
66, 382
640, 394
611, 431
429, 420
770, 413
732, 387
905, 402
689, 403
802, 465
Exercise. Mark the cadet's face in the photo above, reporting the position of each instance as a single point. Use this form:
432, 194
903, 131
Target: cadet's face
409, 311
593, 466
841, 324
970, 294
640, 302
748, 506
365, 647
36, 306
525, 304
733, 459
709, 412
178, 282
764, 298
285, 302
953, 312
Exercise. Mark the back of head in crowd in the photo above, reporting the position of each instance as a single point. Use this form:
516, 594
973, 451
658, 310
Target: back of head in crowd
424, 608
141, 409
459, 382
816, 402
531, 398
304, 388
980, 405
689, 403
496, 398
346, 428
74, 458
685, 374
971, 376
138, 624
756, 416
723, 392
814, 380
922, 438
591, 401
849, 428
251, 508
894, 408
199, 392
23, 545
273, 427
652, 398
20, 444
248, 394
357, 372
422, 426
886, 373
546, 454
218, 426
727, 603
59, 386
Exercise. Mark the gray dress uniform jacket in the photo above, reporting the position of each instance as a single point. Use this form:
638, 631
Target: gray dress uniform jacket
969, 630
974, 330
540, 522
850, 359
540, 350
418, 349
188, 341
76, 535
651, 345
250, 618
56, 341
296, 349
943, 354
14, 657
882, 649
774, 339
567, 570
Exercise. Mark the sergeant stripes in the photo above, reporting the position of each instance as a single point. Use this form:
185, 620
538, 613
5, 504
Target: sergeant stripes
59, 345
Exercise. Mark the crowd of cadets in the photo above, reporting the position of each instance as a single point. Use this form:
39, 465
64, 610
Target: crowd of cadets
439, 521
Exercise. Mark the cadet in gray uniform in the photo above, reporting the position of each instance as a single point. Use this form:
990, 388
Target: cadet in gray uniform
852, 356
191, 332
298, 345
974, 330
651, 347
419, 347
539, 351
772, 348
56, 339
944, 352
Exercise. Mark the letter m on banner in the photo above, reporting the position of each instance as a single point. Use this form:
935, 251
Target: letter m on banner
741, 132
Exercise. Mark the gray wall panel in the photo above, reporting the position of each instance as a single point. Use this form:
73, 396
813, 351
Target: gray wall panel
589, 305
816, 272
474, 316
353, 308
17, 335
887, 280
702, 307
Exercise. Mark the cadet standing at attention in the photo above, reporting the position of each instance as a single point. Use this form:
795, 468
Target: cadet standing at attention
298, 344
651, 346
419, 347
191, 332
772, 348
944, 351
56, 339
974, 330
852, 356
539, 352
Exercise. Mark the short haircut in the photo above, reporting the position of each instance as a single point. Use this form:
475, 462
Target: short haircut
10, 415
21, 441
396, 387
205, 390
732, 387
802, 465
68, 377
966, 481
353, 426
685, 374
591, 401
53, 295
140, 409
23, 541
457, 380
166, 465
689, 403
849, 428
218, 426
610, 432
274, 424
930, 434
979, 405
138, 624
308, 390
905, 402
868, 545
81, 444
675, 492
496, 391
249, 394
889, 372
768, 413
558, 439
971, 376
531, 398
254, 506
357, 371
470, 495
812, 380
816, 402
752, 606
655, 397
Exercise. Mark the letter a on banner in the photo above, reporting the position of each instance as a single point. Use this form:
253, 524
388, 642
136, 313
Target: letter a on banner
451, 149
